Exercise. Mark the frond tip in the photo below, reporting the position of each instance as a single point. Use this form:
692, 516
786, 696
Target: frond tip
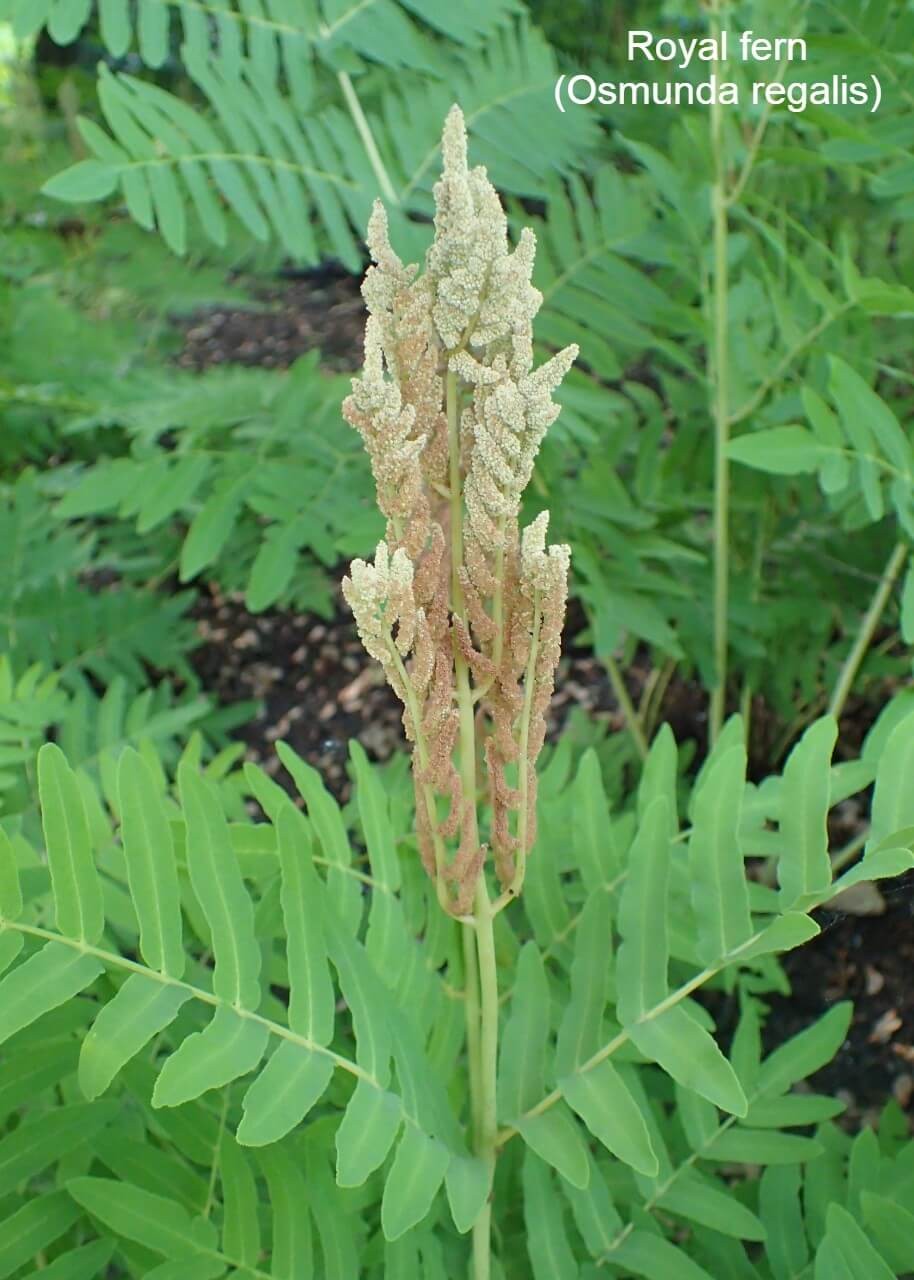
452, 413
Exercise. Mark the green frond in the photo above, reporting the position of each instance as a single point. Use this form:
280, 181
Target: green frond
112, 923
308, 178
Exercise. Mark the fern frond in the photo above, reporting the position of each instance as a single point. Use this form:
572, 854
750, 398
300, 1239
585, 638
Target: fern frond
309, 179
279, 37
218, 1023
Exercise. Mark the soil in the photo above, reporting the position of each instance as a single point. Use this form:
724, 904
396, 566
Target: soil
321, 308
318, 691
866, 959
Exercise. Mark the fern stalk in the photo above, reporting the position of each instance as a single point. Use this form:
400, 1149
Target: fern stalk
868, 625
719, 356
462, 609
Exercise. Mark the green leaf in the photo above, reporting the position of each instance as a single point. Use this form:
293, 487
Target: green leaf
641, 968
229, 1047
804, 867
760, 1146
555, 1138
336, 1229
210, 528
328, 824
86, 180
595, 854
806, 1052
366, 1133
783, 934
141, 1009
794, 1109
418, 1170
369, 1001
893, 1226
836, 470
858, 403
719, 893
33, 1227
151, 870
688, 1053
893, 796
217, 882
548, 1246
311, 995
521, 1069
579, 1031
10, 946
782, 451
654, 1258
782, 1213
160, 1224
595, 1214
49, 978
152, 31
292, 1252
77, 892
602, 1100
376, 824
10, 889
846, 1253
114, 18
273, 567
241, 1227
86, 1263
41, 1142
294, 1079
468, 1184
693, 1198
199, 1267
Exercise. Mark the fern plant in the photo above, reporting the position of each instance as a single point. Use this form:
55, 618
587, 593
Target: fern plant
308, 112
278, 1047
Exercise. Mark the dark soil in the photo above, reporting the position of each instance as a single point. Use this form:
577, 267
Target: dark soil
868, 960
318, 691
322, 308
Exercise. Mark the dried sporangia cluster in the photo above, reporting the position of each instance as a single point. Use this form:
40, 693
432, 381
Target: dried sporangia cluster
463, 610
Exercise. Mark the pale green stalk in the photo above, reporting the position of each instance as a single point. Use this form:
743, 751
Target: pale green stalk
482, 985
718, 372
488, 1061
868, 626
626, 706
360, 121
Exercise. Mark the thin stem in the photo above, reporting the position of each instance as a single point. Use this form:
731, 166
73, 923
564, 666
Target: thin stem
868, 626
471, 1015
717, 372
626, 706
481, 1010
488, 1060
842, 857
786, 361
364, 131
